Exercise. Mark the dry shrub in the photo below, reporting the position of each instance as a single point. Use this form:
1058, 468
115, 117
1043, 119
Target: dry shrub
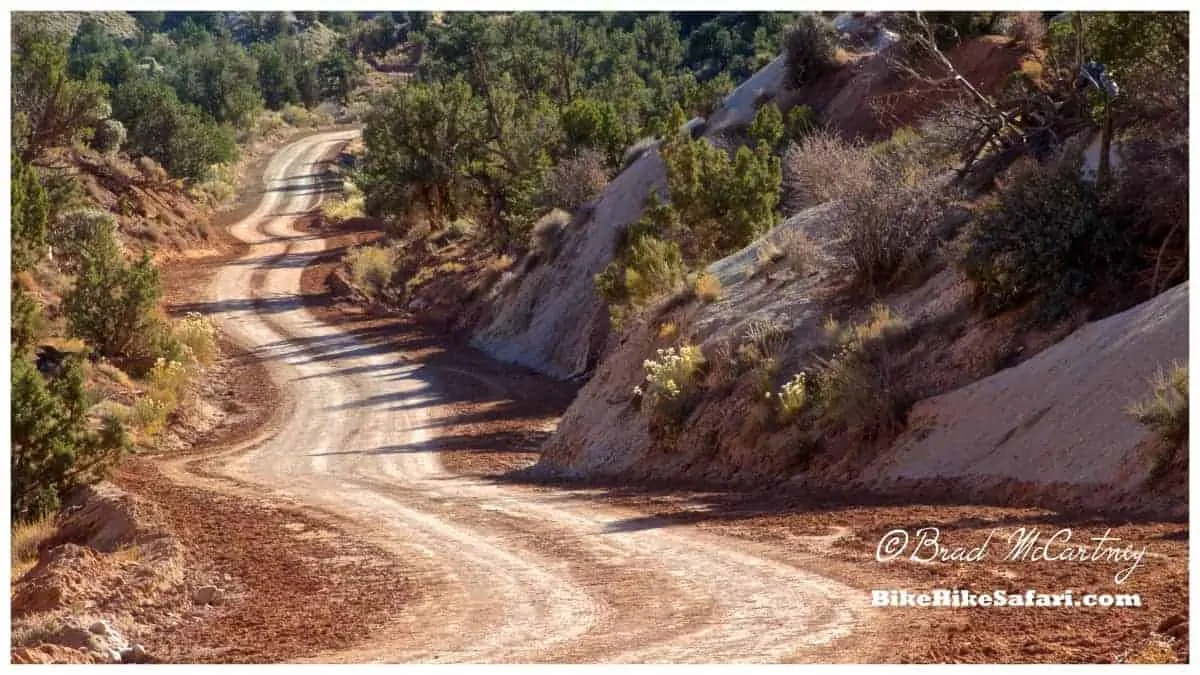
298, 116
576, 180
1166, 411
708, 287
26, 537
1152, 192
547, 233
798, 249
886, 231
351, 205
151, 170
1028, 29
164, 387
218, 186
954, 129
197, 336
819, 169
885, 214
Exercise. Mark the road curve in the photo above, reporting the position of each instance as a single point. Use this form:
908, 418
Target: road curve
511, 574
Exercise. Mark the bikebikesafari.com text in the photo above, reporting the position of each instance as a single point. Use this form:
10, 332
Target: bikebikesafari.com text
959, 598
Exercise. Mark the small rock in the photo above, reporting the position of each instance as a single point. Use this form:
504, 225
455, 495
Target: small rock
135, 654
99, 628
209, 595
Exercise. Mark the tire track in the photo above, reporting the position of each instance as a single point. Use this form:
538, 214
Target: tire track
520, 575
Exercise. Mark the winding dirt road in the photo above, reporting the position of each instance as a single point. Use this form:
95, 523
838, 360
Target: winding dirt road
508, 573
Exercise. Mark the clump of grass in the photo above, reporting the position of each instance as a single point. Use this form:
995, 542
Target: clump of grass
351, 205
1156, 650
763, 342
1166, 411
668, 330
859, 387
501, 263
1166, 414
708, 287
371, 268
26, 537
427, 274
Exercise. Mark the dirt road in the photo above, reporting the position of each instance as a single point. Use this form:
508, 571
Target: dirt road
508, 574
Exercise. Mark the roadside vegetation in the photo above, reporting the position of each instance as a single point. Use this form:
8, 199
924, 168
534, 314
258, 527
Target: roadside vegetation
995, 186
108, 108
512, 117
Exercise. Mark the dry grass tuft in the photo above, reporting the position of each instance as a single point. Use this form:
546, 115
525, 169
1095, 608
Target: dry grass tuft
371, 268
26, 537
708, 287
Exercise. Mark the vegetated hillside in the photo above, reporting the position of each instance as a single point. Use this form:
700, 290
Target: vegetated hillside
911, 268
552, 319
129, 133
120, 25
946, 214
758, 381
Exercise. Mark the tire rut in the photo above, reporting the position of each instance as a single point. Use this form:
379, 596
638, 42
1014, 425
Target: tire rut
514, 574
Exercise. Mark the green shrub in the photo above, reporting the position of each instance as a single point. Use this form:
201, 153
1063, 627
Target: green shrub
1047, 240
112, 303
809, 50
720, 204
108, 137
30, 210
646, 268
800, 122
371, 268
53, 448
767, 129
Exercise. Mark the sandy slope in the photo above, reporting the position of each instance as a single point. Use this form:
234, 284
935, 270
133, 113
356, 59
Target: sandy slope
512, 574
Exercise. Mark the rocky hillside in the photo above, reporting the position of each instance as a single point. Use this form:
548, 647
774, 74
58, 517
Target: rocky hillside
978, 403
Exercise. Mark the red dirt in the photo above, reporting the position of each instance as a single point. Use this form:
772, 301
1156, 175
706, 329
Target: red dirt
302, 586
887, 102
491, 433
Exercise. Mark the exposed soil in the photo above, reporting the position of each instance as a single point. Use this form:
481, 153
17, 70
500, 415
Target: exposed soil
302, 585
273, 562
845, 532
494, 415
